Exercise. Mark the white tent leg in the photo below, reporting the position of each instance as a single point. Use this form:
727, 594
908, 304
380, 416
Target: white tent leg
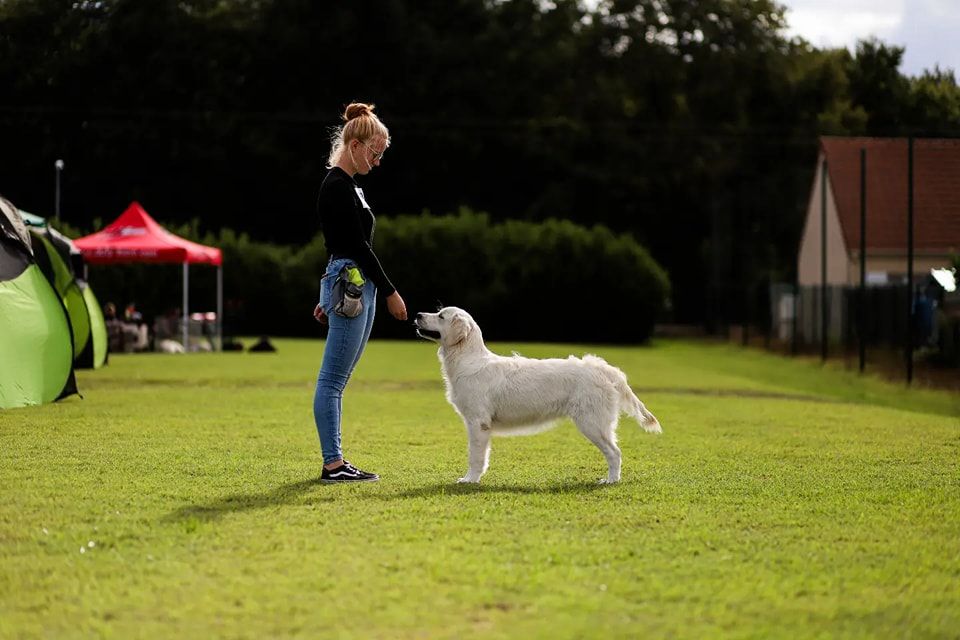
186, 304
220, 308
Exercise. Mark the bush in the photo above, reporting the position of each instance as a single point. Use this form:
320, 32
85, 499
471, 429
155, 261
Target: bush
549, 281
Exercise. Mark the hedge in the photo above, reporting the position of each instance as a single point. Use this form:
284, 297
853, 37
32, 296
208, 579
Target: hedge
545, 281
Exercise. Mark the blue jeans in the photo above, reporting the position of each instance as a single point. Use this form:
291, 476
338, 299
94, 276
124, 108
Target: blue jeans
346, 338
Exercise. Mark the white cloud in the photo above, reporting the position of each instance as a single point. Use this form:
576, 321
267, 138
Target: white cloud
931, 33
835, 23
928, 29
841, 27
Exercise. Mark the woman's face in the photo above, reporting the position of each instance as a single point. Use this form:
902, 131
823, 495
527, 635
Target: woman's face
367, 154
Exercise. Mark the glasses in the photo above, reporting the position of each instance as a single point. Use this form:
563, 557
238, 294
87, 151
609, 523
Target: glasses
376, 154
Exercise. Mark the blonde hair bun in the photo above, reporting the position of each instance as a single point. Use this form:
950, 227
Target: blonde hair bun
357, 110
360, 123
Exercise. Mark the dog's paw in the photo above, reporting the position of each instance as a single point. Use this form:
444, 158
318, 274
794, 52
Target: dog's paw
467, 480
608, 481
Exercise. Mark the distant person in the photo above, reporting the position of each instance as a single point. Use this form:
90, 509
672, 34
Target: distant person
123, 336
924, 317
348, 228
135, 327
116, 338
208, 328
166, 332
131, 314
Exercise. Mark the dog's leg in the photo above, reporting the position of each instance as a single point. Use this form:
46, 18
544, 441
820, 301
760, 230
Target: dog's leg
603, 433
478, 434
612, 453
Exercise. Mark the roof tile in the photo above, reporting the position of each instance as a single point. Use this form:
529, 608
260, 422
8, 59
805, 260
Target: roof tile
936, 208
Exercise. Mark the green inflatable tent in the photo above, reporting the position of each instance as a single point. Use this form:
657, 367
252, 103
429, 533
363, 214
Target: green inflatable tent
54, 256
63, 265
36, 338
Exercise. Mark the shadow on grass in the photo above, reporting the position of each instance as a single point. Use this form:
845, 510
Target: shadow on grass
290, 493
235, 503
455, 489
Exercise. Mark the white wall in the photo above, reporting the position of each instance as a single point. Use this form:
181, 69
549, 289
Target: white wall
808, 259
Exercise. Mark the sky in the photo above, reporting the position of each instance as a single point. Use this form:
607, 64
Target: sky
929, 29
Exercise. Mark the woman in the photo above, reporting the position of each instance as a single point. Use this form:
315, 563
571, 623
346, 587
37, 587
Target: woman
348, 228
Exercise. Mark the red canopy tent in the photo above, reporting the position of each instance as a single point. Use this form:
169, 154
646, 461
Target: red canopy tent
136, 237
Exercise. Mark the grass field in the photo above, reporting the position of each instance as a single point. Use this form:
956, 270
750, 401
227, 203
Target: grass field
179, 498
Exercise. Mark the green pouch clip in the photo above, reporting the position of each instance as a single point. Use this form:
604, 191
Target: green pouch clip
354, 276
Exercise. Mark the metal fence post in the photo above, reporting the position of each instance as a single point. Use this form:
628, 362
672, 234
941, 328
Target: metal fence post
824, 329
862, 298
910, 314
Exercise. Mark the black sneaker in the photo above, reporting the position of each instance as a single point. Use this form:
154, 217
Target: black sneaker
347, 473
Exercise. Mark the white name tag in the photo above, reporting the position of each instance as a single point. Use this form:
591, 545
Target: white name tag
363, 200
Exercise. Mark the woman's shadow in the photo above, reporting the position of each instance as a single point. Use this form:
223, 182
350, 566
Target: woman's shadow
239, 502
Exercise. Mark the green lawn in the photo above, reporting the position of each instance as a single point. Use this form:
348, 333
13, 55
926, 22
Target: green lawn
179, 498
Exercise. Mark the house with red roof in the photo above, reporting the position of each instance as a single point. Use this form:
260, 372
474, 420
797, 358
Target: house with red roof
936, 210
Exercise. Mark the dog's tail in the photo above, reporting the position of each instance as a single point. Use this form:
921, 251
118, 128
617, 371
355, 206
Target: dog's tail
629, 402
636, 409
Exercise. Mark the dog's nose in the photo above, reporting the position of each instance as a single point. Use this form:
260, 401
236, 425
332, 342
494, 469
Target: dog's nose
419, 316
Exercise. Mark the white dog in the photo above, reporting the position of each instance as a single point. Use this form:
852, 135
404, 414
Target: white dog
506, 396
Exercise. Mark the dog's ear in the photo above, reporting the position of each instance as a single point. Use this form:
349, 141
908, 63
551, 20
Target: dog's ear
458, 331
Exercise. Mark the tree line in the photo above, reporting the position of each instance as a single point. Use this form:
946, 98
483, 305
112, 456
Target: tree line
691, 125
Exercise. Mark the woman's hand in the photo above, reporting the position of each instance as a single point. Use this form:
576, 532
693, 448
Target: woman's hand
320, 315
396, 306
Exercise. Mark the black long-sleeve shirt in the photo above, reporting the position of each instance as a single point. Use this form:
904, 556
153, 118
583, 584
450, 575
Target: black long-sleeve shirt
348, 226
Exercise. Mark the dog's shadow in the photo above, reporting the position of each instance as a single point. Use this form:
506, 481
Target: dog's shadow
465, 489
